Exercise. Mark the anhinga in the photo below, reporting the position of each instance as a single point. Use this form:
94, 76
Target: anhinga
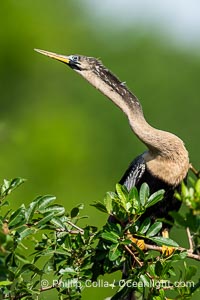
165, 164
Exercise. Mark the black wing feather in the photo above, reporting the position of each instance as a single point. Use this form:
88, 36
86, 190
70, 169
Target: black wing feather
134, 173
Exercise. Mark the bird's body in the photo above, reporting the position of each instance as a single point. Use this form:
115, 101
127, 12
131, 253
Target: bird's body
138, 173
165, 164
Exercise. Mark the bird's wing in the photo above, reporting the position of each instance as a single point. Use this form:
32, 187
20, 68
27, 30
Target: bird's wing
134, 173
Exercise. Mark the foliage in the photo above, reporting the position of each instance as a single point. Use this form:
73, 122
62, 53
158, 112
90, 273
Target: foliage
43, 248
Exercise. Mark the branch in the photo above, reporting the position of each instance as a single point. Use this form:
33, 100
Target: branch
50, 287
190, 240
189, 254
135, 258
194, 170
133, 255
75, 226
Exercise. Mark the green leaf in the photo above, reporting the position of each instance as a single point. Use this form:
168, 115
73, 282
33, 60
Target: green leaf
80, 206
178, 218
190, 272
184, 190
17, 217
155, 197
68, 270
172, 272
2, 238
46, 219
122, 192
16, 182
57, 222
179, 256
158, 268
145, 279
133, 194
58, 210
164, 241
4, 283
5, 186
9, 185
144, 193
110, 236
32, 268
11, 258
30, 211
126, 242
197, 186
100, 206
5, 203
114, 252
74, 212
108, 203
162, 295
177, 196
145, 226
154, 229
24, 231
45, 201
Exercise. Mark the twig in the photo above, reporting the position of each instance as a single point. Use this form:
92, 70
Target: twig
189, 254
196, 173
190, 240
136, 259
75, 226
133, 255
50, 287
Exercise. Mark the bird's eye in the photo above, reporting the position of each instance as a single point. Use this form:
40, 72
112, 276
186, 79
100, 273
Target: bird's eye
74, 62
74, 58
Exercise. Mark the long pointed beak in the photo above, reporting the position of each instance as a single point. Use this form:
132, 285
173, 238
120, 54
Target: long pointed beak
59, 57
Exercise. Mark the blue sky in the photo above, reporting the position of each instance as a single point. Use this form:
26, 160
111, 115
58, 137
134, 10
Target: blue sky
180, 19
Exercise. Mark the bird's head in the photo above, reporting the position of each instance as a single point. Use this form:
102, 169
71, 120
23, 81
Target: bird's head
76, 62
101, 78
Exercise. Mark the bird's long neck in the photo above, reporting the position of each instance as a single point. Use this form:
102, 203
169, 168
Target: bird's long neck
119, 94
167, 157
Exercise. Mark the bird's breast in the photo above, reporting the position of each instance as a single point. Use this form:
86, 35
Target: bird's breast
172, 171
